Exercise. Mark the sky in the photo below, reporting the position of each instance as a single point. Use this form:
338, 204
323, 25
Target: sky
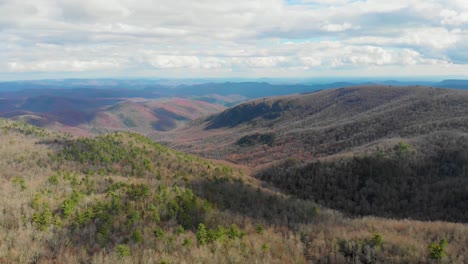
241, 38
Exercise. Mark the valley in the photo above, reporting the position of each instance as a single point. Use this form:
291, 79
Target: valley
363, 174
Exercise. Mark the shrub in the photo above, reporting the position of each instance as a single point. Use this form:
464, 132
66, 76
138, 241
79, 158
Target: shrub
67, 207
234, 232
19, 181
122, 250
438, 250
138, 192
187, 242
180, 230
53, 180
202, 235
377, 240
133, 217
137, 237
158, 232
217, 234
259, 228
43, 220
69, 204
364, 250
36, 201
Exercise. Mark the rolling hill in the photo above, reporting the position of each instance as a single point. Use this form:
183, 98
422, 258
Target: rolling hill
122, 198
397, 152
324, 123
79, 105
145, 116
87, 116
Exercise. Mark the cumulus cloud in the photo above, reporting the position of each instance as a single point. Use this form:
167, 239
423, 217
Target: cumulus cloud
61, 65
424, 38
311, 61
453, 18
165, 61
337, 27
263, 37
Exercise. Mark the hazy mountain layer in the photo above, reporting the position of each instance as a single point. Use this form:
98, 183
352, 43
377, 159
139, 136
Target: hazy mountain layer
85, 116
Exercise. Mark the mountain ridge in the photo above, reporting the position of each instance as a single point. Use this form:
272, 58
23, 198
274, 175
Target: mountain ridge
326, 122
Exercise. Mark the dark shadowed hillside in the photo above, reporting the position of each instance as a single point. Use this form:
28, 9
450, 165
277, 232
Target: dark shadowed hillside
427, 181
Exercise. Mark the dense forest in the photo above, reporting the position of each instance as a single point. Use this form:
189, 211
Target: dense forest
402, 181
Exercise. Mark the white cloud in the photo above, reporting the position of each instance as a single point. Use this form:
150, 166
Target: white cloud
453, 18
247, 37
168, 61
429, 38
311, 61
261, 62
327, 2
61, 66
337, 27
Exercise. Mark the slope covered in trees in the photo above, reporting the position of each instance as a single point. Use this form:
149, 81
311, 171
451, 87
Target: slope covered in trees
324, 123
347, 146
397, 182
121, 198
124, 198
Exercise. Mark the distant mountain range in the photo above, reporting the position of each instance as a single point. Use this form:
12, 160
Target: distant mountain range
206, 86
81, 106
86, 116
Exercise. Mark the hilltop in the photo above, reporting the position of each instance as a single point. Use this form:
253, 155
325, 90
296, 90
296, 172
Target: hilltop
115, 197
323, 123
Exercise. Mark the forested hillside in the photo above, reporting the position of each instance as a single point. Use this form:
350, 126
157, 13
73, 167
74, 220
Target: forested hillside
397, 152
403, 182
320, 124
122, 198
